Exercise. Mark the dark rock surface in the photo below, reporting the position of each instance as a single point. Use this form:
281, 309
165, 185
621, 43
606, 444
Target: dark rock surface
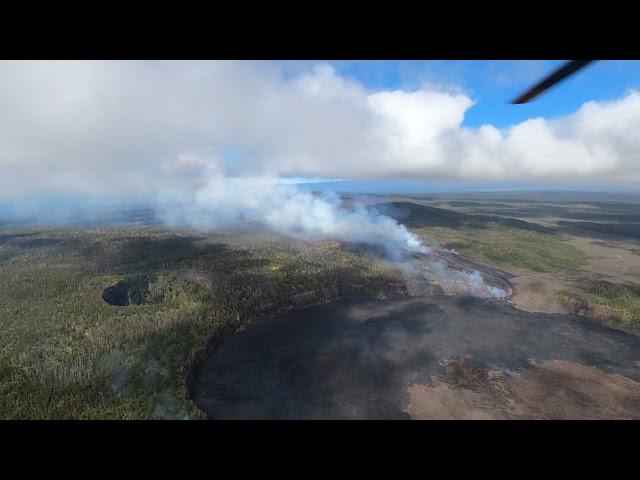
356, 359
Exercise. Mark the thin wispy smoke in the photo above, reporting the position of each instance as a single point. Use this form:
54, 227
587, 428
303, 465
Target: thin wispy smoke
457, 281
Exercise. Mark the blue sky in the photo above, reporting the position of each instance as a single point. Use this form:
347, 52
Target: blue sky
492, 84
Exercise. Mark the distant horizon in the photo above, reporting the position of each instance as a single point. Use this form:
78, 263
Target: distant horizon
62, 211
401, 187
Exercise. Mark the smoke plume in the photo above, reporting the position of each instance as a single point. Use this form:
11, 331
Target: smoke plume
288, 210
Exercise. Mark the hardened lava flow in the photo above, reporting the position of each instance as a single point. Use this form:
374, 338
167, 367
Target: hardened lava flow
457, 274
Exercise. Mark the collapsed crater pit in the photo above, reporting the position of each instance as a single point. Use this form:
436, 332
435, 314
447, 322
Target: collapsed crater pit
128, 291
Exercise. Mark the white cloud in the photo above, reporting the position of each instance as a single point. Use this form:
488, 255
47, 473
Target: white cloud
154, 128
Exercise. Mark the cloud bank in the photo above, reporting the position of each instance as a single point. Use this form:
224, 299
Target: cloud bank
163, 129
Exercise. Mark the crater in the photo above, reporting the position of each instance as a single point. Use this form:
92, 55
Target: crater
129, 291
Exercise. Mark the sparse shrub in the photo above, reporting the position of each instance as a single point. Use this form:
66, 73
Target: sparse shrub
605, 300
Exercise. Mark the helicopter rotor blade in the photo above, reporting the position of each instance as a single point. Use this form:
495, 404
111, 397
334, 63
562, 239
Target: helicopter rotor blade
553, 79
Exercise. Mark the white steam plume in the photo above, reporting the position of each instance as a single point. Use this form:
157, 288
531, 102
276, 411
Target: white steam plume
288, 210
301, 214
